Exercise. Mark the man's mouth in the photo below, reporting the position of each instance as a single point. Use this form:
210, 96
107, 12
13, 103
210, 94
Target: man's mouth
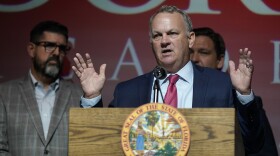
52, 62
166, 51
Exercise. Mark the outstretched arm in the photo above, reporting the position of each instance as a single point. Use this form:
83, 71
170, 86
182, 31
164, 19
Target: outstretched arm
241, 77
92, 82
249, 115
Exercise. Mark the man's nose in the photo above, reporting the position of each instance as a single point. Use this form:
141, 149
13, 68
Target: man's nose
56, 51
165, 40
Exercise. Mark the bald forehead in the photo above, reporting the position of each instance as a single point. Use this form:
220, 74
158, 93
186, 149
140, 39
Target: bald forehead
166, 20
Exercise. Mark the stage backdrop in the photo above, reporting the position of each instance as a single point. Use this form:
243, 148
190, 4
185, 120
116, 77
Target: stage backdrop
115, 32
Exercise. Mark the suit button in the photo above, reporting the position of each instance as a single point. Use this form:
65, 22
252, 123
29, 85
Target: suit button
46, 152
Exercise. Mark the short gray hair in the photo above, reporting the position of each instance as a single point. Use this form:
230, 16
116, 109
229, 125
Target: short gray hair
172, 9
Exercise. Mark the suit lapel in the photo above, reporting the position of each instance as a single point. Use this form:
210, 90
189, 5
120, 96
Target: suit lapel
61, 101
199, 87
145, 88
28, 94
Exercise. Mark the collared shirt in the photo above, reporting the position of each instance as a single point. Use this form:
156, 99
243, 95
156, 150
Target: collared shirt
185, 88
45, 100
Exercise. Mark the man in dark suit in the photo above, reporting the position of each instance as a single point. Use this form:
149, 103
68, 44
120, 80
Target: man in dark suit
171, 36
209, 51
34, 109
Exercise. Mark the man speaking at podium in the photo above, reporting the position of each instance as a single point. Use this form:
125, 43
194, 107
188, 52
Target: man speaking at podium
190, 86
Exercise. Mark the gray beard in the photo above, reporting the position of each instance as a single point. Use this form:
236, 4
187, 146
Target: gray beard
51, 71
47, 70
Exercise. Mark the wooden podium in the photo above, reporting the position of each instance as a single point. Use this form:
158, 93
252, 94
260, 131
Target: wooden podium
97, 131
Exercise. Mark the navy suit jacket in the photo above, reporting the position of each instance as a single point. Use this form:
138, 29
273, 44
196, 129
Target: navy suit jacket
269, 148
211, 88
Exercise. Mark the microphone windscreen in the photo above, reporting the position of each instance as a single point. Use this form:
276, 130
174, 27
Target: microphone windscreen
159, 72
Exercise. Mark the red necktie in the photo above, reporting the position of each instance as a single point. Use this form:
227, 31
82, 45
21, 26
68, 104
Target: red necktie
171, 94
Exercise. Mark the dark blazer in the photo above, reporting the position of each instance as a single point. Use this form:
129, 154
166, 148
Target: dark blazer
21, 131
269, 147
211, 88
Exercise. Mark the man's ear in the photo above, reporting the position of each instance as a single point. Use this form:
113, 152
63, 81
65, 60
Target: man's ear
191, 38
220, 62
31, 49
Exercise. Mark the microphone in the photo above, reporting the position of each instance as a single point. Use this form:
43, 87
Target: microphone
159, 73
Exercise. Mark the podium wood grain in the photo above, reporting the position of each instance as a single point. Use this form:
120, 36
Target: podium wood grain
97, 131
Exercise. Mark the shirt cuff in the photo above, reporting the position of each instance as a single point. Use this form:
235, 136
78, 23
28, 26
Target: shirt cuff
245, 99
88, 103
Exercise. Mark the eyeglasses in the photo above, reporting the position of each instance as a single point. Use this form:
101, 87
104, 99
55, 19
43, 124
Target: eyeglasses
51, 46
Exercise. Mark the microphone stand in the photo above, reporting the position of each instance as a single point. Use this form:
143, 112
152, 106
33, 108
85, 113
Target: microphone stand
156, 90
159, 73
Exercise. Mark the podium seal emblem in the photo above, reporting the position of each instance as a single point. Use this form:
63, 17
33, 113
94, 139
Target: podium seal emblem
155, 129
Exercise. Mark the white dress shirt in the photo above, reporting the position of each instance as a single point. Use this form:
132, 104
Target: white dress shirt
184, 87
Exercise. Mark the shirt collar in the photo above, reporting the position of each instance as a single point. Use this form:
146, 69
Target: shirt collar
185, 73
35, 82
